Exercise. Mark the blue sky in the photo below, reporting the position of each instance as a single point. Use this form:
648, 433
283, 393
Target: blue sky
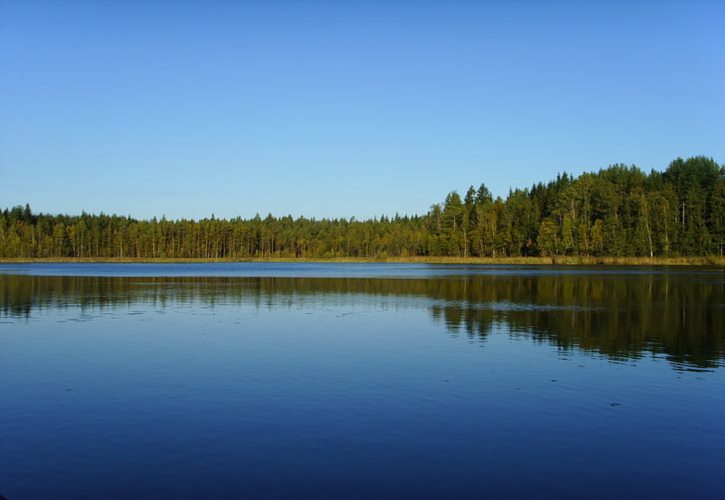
343, 109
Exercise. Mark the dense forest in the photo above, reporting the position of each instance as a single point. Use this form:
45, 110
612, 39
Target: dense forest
618, 211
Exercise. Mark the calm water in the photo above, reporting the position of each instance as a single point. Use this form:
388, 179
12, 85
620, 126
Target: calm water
337, 380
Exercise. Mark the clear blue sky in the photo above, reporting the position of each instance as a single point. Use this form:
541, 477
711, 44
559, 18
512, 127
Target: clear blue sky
343, 108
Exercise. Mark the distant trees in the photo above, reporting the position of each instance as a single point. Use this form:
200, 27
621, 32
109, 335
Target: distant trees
618, 211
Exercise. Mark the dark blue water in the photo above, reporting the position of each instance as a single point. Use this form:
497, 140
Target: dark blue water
337, 380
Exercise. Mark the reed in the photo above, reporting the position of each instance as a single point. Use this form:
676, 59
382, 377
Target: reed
717, 261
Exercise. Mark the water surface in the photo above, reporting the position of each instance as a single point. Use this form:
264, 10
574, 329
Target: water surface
357, 380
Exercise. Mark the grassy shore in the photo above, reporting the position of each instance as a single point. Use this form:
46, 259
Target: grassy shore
559, 260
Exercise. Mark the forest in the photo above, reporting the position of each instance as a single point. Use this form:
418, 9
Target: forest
618, 211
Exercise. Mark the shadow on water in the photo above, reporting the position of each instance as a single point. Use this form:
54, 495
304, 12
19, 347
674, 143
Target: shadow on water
623, 316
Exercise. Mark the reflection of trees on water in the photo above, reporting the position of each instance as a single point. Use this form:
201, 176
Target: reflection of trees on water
619, 315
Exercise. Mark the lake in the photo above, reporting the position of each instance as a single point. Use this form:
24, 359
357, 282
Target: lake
360, 380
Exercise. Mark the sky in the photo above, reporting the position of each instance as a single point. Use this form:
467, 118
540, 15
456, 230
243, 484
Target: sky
343, 109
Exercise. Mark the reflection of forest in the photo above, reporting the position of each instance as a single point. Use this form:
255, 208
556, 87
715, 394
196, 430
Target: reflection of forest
619, 315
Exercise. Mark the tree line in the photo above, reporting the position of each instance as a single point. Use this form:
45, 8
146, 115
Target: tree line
618, 211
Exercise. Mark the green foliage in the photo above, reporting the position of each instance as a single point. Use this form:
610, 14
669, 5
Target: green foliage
618, 211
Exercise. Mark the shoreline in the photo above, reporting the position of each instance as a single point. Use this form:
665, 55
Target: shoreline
710, 261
